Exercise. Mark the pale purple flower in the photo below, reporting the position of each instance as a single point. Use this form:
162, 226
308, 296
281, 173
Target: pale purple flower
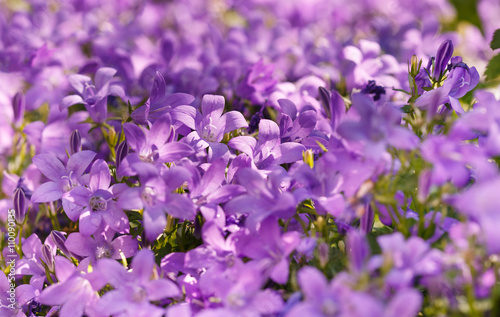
157, 145
94, 204
155, 196
375, 127
76, 289
268, 151
102, 245
160, 102
93, 94
270, 248
210, 126
134, 290
62, 179
264, 197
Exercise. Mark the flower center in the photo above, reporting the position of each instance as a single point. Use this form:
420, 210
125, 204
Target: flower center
68, 182
150, 156
210, 132
104, 251
89, 94
329, 307
98, 203
236, 300
139, 294
148, 196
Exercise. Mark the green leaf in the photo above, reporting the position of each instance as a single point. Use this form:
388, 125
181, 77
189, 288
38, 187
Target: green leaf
493, 68
495, 43
406, 108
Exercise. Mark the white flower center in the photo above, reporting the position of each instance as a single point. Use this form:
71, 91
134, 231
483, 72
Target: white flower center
148, 196
210, 132
98, 203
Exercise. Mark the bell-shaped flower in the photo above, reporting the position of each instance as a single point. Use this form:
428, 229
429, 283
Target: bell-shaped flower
134, 290
95, 203
373, 128
158, 145
210, 125
93, 94
156, 197
264, 197
267, 152
160, 103
76, 289
105, 244
61, 179
270, 248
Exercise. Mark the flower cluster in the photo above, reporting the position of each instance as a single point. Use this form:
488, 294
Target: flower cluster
249, 158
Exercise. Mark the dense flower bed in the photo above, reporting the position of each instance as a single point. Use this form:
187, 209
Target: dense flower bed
250, 158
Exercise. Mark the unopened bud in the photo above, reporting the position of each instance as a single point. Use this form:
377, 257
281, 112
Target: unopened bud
19, 106
367, 219
443, 56
324, 96
60, 240
19, 205
75, 142
121, 152
112, 137
48, 258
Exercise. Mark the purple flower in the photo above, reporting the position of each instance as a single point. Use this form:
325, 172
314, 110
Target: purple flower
480, 202
155, 196
101, 245
461, 79
76, 290
257, 82
268, 151
211, 190
264, 198
210, 126
270, 248
134, 290
157, 145
95, 203
94, 97
296, 126
407, 259
160, 102
375, 127
216, 253
62, 179
31, 263
320, 298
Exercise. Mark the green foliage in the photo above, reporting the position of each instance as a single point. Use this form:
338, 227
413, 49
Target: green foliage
495, 42
467, 11
493, 68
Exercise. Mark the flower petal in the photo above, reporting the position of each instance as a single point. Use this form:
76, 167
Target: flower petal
47, 192
50, 166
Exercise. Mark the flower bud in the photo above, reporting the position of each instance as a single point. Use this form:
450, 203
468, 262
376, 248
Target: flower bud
59, 240
443, 56
121, 152
19, 106
75, 142
324, 96
19, 205
357, 250
48, 258
366, 220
